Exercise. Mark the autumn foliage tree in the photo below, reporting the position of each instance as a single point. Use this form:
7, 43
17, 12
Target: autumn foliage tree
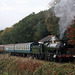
71, 34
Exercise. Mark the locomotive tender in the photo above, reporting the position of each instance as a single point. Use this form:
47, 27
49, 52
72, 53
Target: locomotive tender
47, 51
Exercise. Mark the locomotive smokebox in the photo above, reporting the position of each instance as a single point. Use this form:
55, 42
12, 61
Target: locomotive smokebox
62, 45
53, 39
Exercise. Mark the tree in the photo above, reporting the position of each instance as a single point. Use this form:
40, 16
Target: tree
5, 36
1, 31
32, 28
71, 34
51, 22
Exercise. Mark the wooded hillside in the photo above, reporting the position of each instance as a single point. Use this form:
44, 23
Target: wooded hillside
31, 28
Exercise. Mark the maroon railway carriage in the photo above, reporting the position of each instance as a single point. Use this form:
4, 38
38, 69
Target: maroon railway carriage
1, 49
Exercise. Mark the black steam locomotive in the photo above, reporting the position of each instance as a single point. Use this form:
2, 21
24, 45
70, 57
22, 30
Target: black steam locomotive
57, 52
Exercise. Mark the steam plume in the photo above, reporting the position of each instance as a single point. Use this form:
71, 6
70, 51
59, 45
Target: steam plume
65, 10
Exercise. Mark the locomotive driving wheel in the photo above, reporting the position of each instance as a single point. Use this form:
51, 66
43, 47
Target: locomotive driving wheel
60, 60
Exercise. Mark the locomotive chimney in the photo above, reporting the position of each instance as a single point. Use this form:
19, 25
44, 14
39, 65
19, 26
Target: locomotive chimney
53, 39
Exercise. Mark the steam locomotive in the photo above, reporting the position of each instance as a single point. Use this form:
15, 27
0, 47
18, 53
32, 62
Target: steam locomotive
48, 51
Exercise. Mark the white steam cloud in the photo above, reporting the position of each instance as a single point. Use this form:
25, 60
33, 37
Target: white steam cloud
65, 10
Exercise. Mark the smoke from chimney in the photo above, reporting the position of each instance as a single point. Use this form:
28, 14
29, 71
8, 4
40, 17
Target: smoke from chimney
65, 10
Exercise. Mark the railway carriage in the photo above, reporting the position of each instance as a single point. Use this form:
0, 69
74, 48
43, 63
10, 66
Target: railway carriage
9, 48
23, 48
1, 48
19, 49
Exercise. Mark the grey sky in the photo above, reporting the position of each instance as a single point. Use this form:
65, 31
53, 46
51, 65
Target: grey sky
11, 11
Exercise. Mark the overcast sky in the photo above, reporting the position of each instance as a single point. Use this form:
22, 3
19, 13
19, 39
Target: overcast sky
11, 11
